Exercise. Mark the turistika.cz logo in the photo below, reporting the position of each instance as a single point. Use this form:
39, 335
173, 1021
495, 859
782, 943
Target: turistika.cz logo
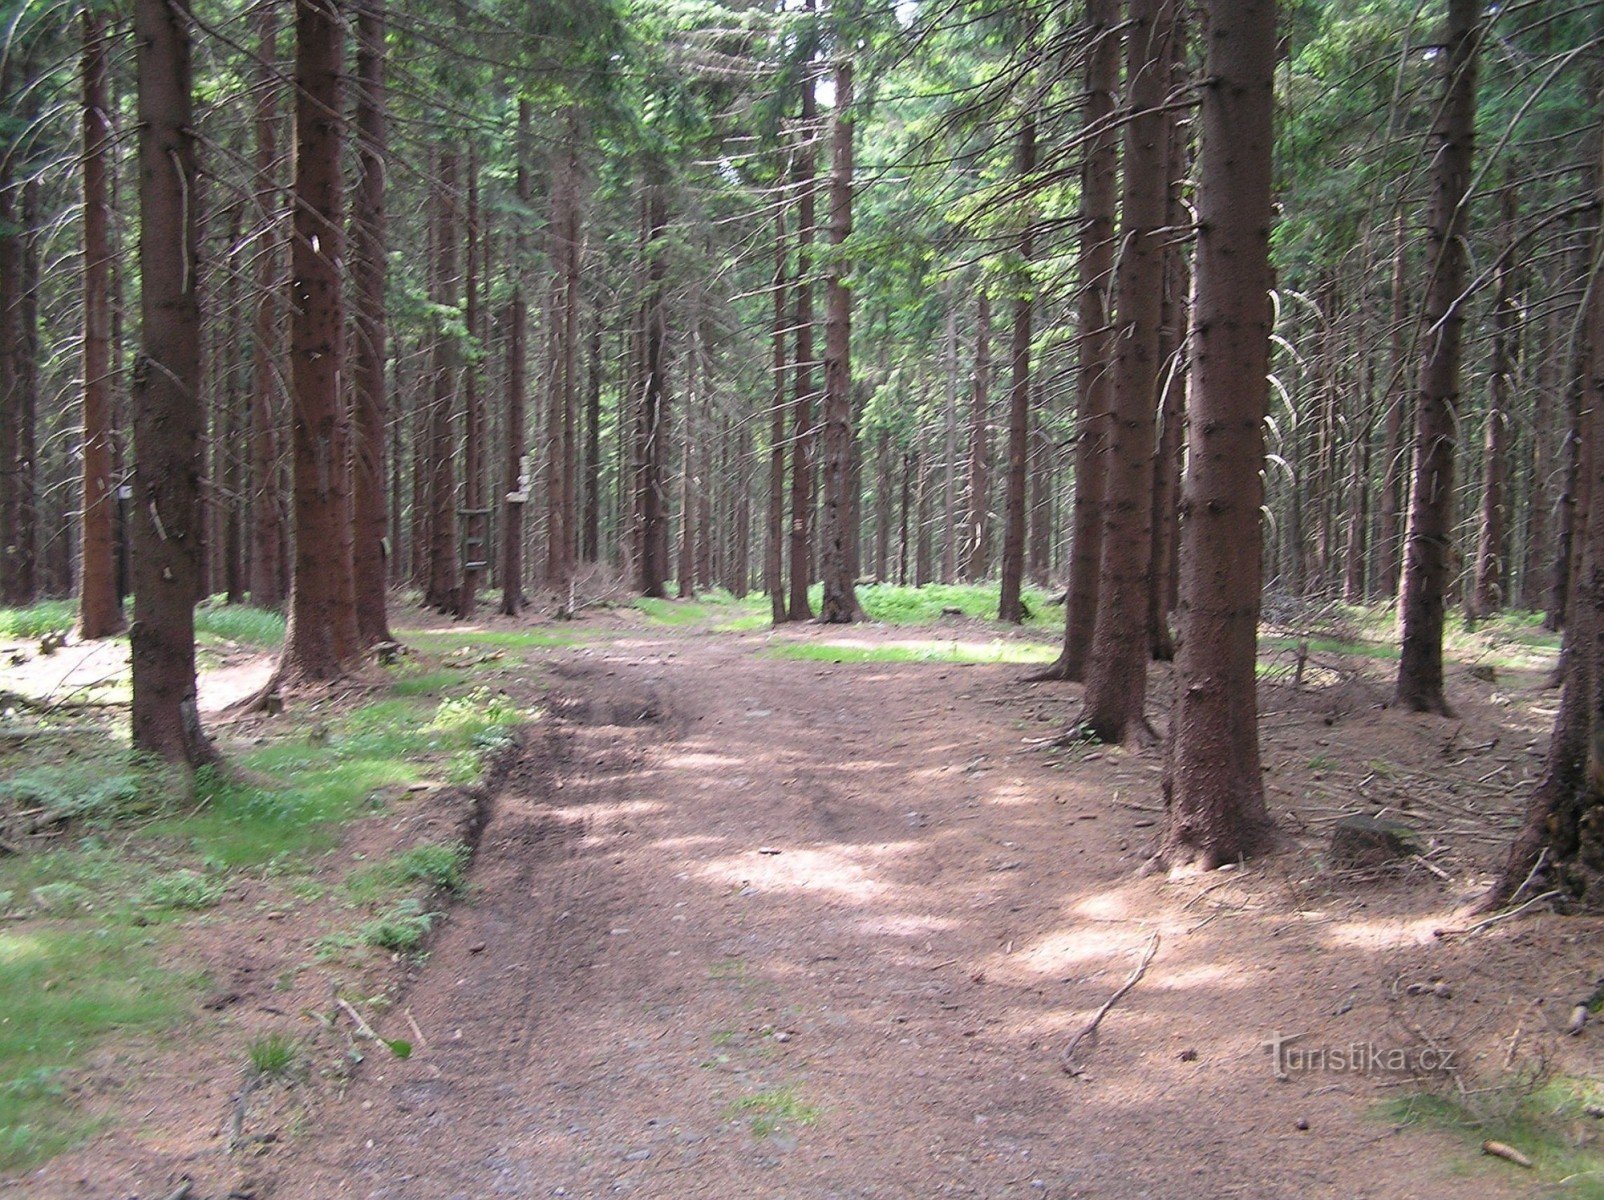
1354, 1058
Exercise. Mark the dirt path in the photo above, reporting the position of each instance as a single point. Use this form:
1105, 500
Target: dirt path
747, 927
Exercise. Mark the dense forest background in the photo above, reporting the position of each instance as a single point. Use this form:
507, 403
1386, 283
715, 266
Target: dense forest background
507, 304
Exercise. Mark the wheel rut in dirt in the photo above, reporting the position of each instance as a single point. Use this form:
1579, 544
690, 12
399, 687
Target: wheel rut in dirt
748, 927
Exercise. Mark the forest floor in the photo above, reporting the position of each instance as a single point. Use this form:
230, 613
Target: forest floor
815, 912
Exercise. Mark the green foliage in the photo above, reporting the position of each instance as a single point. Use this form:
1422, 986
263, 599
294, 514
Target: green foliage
437, 866
400, 929
92, 787
770, 1111
48, 616
917, 652
272, 1055
1540, 1119
241, 623
64, 990
187, 890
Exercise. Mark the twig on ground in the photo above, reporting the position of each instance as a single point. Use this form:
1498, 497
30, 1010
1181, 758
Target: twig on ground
1496, 917
1067, 1058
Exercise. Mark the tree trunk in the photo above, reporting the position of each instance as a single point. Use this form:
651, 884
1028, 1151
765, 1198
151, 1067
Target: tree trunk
840, 602
1116, 685
165, 397
475, 540
1427, 544
774, 560
652, 430
370, 404
1215, 812
1010, 605
320, 638
443, 582
1393, 457
798, 607
1487, 595
517, 319
268, 586
100, 610
977, 535
1093, 390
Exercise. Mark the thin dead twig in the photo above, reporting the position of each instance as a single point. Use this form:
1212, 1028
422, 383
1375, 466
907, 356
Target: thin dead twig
1067, 1058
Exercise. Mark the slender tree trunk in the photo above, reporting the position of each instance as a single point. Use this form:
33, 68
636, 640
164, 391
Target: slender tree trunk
949, 414
268, 586
100, 610
320, 638
1010, 604
1116, 684
840, 602
652, 429
774, 561
1215, 812
1427, 546
517, 319
1393, 457
15, 539
1093, 381
475, 542
441, 592
370, 407
977, 536
1487, 595
165, 397
590, 520
798, 607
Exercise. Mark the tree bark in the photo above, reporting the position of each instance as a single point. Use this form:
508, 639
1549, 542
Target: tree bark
1010, 605
774, 560
165, 397
1099, 189
443, 581
1116, 684
1427, 542
320, 638
370, 407
651, 448
100, 610
798, 607
977, 535
840, 600
1215, 812
517, 319
1392, 467
1486, 596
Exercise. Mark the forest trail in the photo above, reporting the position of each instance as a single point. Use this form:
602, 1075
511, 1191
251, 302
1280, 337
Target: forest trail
738, 929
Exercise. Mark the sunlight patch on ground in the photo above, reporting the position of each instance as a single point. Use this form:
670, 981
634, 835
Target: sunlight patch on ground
702, 759
624, 808
905, 926
1049, 955
1386, 935
802, 870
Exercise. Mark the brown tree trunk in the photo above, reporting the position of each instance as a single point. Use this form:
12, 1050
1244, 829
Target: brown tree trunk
370, 404
517, 319
560, 457
590, 519
320, 638
165, 397
1116, 684
651, 448
1093, 381
774, 560
475, 542
798, 607
1564, 822
1427, 544
1215, 812
443, 581
840, 600
1010, 605
100, 610
268, 586
1393, 454
1487, 595
1174, 329
977, 534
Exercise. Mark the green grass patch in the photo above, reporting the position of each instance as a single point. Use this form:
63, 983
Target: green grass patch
897, 605
998, 651
64, 990
96, 786
1546, 1123
400, 929
438, 640
241, 623
47, 616
768, 1112
434, 865
272, 1056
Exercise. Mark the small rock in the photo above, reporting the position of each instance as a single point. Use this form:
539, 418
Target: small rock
476, 948
1303, 1123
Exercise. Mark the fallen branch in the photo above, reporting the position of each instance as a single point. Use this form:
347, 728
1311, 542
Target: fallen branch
1066, 1059
1495, 918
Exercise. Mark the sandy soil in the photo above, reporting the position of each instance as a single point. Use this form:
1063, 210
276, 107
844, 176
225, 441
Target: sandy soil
743, 926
